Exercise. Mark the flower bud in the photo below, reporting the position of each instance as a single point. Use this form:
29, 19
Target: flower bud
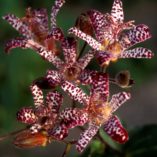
26, 139
123, 79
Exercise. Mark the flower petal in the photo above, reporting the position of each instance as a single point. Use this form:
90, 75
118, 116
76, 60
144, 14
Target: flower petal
48, 55
53, 78
54, 11
118, 99
54, 101
139, 52
56, 34
115, 130
86, 77
60, 132
86, 137
75, 92
90, 40
117, 11
84, 61
37, 95
100, 86
35, 128
18, 25
69, 47
98, 22
15, 43
73, 117
26, 115
103, 58
136, 35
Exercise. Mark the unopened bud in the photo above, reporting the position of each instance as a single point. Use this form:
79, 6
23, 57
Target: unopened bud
26, 139
123, 79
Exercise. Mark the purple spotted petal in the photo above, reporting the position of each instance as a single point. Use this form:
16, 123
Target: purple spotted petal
53, 77
115, 130
37, 95
98, 22
117, 11
118, 99
90, 40
47, 55
86, 137
139, 52
60, 132
86, 77
103, 58
54, 101
75, 92
56, 34
54, 11
69, 47
26, 115
18, 25
100, 87
136, 35
15, 43
35, 128
73, 117
84, 61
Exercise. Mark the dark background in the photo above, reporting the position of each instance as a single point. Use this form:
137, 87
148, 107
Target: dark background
21, 67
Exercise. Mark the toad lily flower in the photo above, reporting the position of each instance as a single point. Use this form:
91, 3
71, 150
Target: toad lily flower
35, 26
113, 36
45, 115
45, 120
100, 110
68, 70
73, 65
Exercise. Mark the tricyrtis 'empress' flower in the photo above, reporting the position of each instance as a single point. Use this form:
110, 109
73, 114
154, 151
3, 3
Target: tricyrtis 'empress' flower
45, 121
68, 70
114, 37
100, 110
72, 66
35, 26
45, 115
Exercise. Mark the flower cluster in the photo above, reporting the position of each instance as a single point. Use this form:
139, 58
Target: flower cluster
110, 39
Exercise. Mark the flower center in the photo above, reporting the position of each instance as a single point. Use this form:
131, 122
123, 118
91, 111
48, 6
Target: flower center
72, 73
99, 111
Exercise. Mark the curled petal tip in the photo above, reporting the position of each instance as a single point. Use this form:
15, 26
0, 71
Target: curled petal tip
26, 115
150, 55
15, 43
